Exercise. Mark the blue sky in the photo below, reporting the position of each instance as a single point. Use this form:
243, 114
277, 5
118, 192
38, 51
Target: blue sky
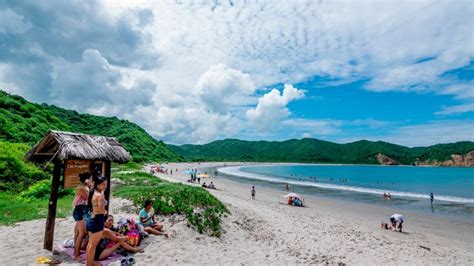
194, 72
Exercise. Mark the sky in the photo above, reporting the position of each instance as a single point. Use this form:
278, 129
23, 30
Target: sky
199, 71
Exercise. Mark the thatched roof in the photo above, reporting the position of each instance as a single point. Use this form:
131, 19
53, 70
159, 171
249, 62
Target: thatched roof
67, 145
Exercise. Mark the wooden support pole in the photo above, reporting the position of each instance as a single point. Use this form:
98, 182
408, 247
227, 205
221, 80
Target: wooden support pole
53, 200
107, 190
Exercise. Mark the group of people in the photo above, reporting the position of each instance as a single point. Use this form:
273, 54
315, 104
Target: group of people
94, 231
210, 186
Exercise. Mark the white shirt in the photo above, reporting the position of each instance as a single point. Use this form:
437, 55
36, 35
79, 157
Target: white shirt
397, 217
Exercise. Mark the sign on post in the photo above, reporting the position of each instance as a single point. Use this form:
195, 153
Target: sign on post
72, 170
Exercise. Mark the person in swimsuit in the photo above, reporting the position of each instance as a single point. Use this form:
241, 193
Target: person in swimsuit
81, 211
95, 225
146, 220
253, 192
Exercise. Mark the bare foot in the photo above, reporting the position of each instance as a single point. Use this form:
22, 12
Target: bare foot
139, 250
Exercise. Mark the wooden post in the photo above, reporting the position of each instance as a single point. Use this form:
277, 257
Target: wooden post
53, 199
107, 190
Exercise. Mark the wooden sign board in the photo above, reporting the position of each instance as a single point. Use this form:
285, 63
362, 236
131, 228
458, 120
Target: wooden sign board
72, 170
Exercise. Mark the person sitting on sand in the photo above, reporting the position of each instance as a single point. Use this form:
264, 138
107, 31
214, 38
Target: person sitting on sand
397, 218
110, 242
211, 186
146, 220
385, 226
204, 185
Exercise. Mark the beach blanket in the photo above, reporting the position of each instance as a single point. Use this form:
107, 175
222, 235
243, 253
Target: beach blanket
70, 252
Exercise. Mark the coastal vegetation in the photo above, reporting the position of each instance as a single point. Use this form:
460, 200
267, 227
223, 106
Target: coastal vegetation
25, 122
310, 150
202, 210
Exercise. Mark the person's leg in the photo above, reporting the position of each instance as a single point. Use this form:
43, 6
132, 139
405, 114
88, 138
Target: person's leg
107, 233
129, 248
81, 231
155, 232
94, 239
157, 226
108, 251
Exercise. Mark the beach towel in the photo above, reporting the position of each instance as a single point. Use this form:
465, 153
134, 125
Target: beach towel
70, 252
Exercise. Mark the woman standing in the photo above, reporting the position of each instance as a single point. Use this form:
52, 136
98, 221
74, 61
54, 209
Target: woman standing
95, 225
81, 211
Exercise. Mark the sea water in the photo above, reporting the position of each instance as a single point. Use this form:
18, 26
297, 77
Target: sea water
409, 186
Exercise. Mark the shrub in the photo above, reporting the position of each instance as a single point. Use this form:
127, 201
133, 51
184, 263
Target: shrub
42, 190
202, 209
15, 174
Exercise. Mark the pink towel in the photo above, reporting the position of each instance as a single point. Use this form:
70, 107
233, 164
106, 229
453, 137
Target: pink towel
83, 257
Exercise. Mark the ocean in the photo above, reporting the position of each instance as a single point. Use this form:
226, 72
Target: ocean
410, 187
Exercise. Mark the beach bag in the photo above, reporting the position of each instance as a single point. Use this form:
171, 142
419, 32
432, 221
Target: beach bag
133, 239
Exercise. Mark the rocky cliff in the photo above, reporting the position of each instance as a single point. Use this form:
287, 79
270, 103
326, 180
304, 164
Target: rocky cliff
385, 160
456, 160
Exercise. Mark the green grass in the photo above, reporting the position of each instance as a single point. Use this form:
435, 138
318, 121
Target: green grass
202, 209
13, 209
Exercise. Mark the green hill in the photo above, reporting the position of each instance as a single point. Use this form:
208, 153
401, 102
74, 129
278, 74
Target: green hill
25, 122
318, 151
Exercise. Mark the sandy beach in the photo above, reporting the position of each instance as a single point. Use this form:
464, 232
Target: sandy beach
267, 231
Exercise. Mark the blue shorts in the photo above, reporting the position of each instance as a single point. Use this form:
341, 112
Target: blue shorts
81, 212
96, 224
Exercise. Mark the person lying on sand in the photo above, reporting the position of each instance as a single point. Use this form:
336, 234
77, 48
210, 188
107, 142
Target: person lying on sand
146, 220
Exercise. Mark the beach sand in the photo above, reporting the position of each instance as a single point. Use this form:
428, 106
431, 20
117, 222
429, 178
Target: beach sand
267, 231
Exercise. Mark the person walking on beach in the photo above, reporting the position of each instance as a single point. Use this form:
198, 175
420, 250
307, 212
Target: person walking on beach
253, 192
431, 198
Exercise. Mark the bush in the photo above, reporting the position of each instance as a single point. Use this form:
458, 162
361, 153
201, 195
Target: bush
202, 209
15, 174
42, 190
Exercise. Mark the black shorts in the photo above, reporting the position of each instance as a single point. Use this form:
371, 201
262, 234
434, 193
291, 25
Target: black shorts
96, 224
101, 246
80, 212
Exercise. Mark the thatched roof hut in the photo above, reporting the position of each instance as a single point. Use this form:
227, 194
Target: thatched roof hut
61, 145
66, 150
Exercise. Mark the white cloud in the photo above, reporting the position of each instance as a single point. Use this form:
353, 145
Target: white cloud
221, 87
94, 86
11, 22
457, 109
271, 107
190, 71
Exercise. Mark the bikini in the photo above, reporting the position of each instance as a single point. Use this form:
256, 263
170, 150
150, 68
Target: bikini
80, 211
96, 223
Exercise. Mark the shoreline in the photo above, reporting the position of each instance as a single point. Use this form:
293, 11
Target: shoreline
236, 172
438, 232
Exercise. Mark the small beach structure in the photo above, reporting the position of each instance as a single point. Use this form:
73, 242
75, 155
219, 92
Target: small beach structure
205, 175
73, 154
294, 199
